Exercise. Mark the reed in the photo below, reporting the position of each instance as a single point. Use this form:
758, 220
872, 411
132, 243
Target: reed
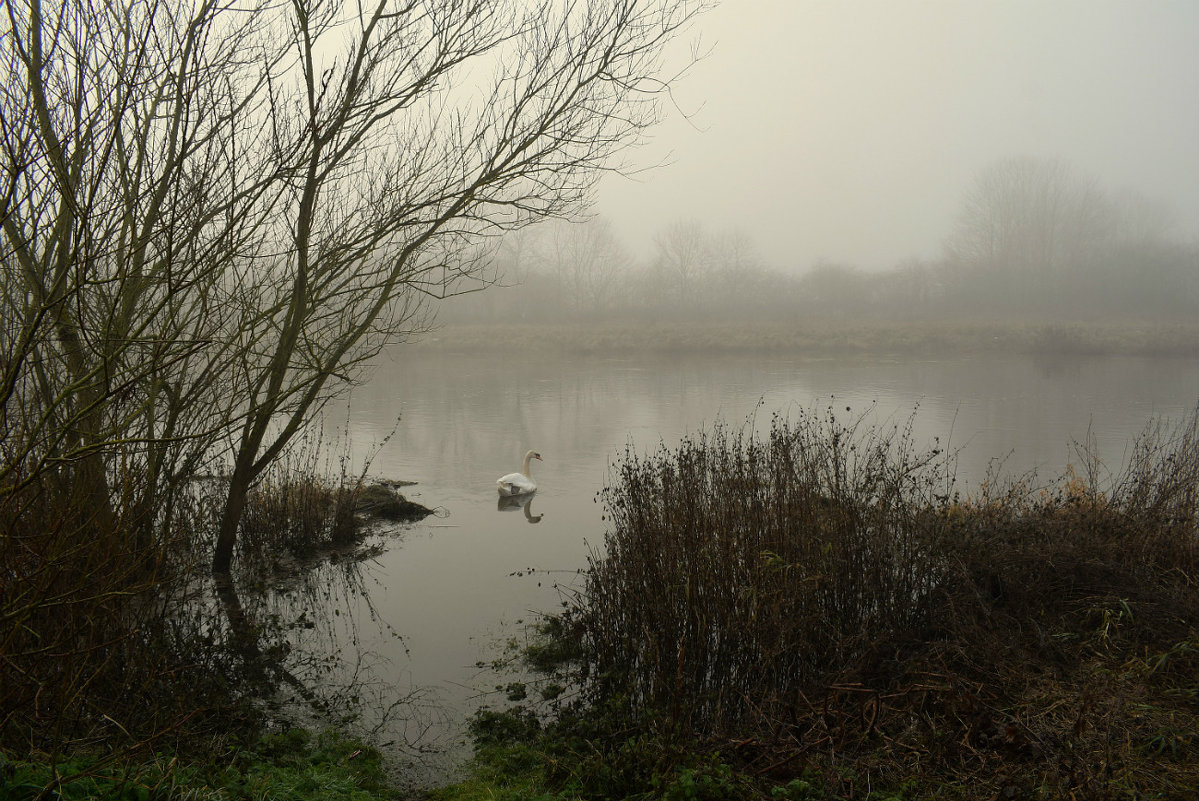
296, 514
310, 502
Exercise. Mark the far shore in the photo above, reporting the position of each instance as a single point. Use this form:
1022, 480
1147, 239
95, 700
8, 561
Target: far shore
823, 338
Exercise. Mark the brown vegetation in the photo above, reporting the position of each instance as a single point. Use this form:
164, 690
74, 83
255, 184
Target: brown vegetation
92, 625
302, 514
823, 604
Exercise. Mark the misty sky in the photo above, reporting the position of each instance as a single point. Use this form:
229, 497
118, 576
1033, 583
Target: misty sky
847, 130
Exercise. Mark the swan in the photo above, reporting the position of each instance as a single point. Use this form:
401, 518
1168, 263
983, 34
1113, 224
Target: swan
519, 483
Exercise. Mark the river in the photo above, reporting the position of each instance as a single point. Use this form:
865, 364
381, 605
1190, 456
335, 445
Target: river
443, 595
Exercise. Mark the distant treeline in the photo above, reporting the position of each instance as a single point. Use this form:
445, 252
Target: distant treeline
1032, 239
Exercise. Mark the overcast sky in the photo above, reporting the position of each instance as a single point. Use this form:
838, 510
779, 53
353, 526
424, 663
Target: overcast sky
847, 130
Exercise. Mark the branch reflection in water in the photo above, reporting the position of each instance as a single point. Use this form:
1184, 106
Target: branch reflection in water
302, 633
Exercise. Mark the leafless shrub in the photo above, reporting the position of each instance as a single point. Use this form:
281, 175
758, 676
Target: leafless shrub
91, 627
740, 573
826, 594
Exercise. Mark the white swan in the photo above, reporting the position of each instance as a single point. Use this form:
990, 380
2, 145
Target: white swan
519, 483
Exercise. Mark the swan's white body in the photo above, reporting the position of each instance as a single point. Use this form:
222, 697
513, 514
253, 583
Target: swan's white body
519, 483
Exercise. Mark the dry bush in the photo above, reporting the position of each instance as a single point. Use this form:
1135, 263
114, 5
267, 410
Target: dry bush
825, 595
738, 569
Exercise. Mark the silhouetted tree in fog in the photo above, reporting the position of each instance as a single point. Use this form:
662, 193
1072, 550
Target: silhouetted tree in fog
588, 262
214, 213
682, 261
1034, 235
1027, 220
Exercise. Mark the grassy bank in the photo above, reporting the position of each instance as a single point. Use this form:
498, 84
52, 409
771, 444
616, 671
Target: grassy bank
820, 614
824, 338
293, 765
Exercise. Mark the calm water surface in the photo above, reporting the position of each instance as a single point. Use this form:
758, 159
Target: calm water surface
446, 591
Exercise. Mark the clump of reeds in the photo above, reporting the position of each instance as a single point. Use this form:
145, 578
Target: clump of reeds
826, 592
304, 505
296, 514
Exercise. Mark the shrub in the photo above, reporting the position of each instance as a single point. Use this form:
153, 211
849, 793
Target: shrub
823, 601
737, 569
92, 626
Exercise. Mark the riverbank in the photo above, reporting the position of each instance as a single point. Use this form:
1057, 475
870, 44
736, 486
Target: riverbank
824, 338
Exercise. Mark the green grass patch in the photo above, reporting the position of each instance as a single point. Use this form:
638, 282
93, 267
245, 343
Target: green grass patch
289, 766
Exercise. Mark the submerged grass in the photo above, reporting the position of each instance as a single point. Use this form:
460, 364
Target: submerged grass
819, 613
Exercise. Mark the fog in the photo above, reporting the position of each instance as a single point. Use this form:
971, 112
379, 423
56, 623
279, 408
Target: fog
849, 131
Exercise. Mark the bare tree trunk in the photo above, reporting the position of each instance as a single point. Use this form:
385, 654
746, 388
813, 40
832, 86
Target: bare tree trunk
235, 506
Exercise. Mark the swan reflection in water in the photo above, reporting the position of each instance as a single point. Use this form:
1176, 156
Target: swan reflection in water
510, 503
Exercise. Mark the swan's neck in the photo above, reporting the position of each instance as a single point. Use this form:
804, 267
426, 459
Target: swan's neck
528, 461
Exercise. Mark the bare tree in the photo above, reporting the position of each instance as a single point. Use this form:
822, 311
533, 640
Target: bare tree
119, 250
215, 213
1037, 234
588, 261
1029, 220
399, 169
1142, 220
683, 259
739, 284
